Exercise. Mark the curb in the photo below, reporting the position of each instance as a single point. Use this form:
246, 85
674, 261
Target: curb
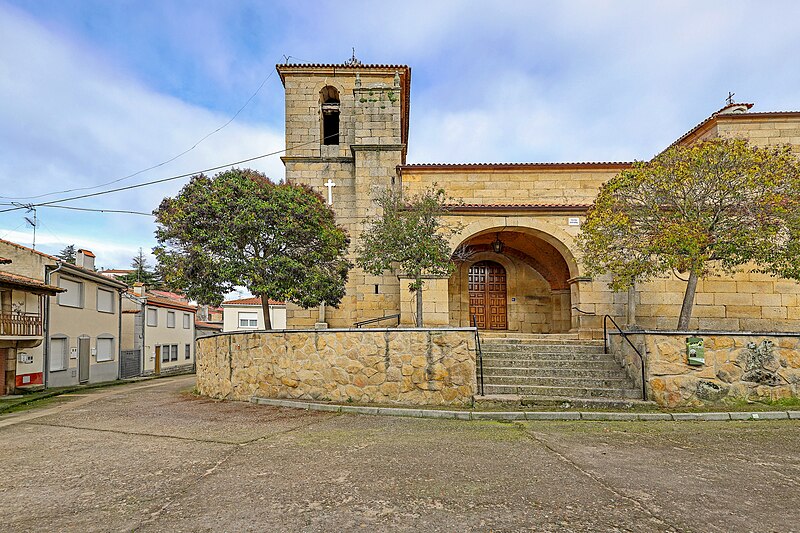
524, 415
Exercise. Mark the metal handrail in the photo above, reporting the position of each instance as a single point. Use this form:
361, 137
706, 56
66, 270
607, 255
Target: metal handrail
606, 318
479, 353
379, 319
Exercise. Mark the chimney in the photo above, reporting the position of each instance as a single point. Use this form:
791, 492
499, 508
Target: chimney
138, 288
85, 259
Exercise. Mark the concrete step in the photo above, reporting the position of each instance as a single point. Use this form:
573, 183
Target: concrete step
536, 348
544, 381
569, 392
571, 364
549, 372
540, 342
516, 400
547, 356
527, 336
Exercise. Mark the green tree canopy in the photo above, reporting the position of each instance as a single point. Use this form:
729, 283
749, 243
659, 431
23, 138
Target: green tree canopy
240, 229
714, 206
409, 234
68, 254
142, 273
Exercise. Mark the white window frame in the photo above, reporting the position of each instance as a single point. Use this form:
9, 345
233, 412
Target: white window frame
165, 353
187, 321
61, 297
63, 356
111, 293
154, 312
171, 319
252, 323
103, 358
187, 352
174, 354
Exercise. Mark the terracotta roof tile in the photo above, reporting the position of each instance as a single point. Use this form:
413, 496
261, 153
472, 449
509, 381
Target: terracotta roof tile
4, 261
588, 165
250, 301
208, 325
535, 206
28, 283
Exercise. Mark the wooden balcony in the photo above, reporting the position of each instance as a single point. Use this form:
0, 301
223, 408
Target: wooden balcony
20, 325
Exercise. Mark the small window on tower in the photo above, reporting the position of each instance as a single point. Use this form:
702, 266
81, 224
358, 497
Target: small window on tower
329, 102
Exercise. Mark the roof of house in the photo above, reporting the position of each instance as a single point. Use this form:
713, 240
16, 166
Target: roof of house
4, 261
250, 301
156, 301
9, 280
86, 252
69, 266
116, 271
169, 295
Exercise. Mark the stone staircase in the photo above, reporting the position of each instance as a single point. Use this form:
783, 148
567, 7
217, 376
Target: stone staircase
553, 369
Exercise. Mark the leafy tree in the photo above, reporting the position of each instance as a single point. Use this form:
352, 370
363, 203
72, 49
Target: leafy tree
718, 205
68, 254
409, 235
240, 229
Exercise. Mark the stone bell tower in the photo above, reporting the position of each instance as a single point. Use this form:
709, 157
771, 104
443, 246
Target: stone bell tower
346, 132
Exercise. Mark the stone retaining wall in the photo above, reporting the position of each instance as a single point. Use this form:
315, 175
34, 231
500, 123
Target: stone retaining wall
400, 366
737, 366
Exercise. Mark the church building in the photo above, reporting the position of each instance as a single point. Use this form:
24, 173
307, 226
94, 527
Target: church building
347, 129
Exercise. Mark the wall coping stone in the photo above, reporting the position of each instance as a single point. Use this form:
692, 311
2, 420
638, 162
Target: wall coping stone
339, 330
710, 332
605, 416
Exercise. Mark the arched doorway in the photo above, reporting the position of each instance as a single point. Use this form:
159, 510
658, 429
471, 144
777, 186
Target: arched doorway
487, 295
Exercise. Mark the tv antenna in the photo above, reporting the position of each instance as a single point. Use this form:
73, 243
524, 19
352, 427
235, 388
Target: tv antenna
33, 223
729, 99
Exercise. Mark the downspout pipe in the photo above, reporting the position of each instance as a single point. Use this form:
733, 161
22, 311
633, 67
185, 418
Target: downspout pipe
119, 334
46, 311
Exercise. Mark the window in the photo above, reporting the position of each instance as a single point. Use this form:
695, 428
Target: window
152, 317
174, 353
329, 102
187, 321
74, 295
105, 349
165, 354
170, 319
105, 300
248, 320
59, 354
187, 351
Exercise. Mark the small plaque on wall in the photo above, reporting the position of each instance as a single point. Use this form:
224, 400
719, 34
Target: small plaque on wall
574, 221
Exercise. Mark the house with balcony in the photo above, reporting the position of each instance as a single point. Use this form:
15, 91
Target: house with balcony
80, 322
158, 332
21, 327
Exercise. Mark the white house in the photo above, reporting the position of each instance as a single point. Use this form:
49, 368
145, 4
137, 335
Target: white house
247, 314
158, 332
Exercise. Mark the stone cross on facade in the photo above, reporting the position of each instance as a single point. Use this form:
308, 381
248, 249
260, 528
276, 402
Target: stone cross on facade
330, 185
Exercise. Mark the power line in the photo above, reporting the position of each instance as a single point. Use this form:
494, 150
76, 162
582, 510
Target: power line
163, 180
100, 210
156, 165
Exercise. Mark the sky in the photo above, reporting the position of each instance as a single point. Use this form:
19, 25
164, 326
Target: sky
95, 91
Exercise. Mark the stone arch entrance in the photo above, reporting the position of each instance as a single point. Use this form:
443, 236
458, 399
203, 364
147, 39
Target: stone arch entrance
487, 295
538, 279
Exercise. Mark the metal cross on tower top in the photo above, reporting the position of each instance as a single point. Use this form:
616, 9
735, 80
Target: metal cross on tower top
353, 61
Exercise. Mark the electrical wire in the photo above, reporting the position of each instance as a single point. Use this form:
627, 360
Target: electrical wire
163, 180
156, 165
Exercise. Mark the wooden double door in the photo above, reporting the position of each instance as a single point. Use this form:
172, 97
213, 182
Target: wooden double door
487, 295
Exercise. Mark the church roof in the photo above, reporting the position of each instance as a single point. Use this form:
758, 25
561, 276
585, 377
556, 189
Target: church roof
518, 207
598, 165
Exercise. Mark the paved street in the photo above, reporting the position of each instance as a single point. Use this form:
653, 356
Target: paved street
153, 457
